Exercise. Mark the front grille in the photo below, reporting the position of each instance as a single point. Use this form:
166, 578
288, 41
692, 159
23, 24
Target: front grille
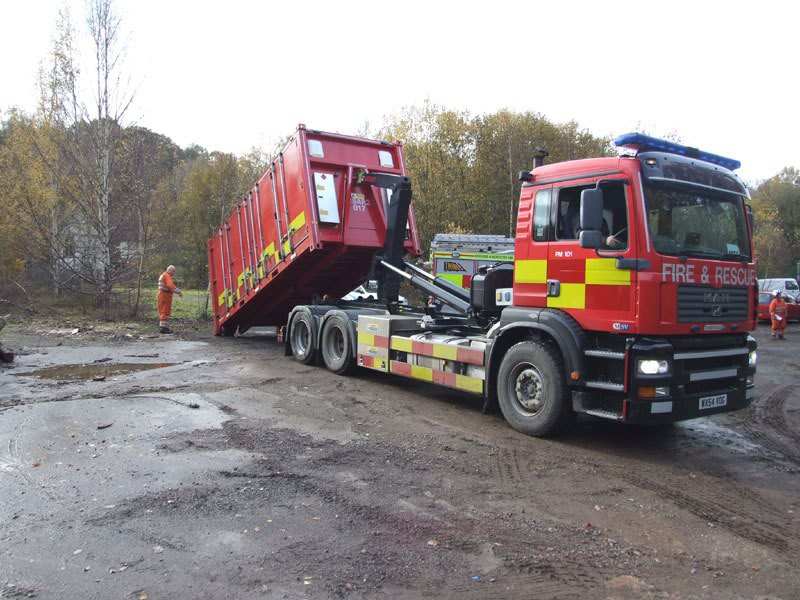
719, 386
702, 303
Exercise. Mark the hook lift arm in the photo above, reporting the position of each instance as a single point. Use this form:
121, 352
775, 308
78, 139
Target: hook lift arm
389, 267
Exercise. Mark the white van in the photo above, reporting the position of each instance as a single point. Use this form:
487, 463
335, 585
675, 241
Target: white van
368, 292
786, 285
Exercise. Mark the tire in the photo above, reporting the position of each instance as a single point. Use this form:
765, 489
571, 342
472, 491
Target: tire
336, 347
544, 409
302, 339
228, 330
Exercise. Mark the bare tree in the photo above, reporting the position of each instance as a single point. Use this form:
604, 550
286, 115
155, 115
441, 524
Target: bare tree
57, 97
78, 142
112, 102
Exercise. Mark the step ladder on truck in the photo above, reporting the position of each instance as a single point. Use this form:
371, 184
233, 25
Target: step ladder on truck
630, 296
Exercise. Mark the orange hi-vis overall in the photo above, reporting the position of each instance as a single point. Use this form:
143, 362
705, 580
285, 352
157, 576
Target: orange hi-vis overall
166, 289
777, 308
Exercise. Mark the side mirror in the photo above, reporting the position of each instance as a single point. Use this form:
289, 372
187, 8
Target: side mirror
591, 218
592, 210
751, 216
591, 239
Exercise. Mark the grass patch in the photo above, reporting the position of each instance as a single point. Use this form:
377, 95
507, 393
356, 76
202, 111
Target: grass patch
74, 309
192, 306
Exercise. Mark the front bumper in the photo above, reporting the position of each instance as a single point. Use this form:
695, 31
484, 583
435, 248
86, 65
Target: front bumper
700, 380
661, 411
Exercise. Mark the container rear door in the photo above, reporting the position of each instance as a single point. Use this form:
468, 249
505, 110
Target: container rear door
296, 196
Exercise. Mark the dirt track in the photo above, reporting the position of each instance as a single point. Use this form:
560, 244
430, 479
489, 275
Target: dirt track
289, 482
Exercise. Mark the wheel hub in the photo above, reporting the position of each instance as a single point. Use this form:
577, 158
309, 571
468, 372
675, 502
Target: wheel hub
336, 344
528, 390
302, 337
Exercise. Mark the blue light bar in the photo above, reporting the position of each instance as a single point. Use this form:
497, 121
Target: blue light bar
642, 142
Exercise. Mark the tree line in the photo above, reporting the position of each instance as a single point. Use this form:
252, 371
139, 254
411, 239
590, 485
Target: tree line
96, 205
93, 204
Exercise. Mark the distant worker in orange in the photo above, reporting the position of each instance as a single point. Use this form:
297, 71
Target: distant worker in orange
166, 288
778, 313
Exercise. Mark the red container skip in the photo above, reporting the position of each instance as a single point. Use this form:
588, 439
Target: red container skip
307, 227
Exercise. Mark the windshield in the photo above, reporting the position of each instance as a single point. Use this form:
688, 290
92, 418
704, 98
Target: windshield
791, 284
691, 223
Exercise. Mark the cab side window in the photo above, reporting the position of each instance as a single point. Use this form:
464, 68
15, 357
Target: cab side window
569, 211
541, 215
615, 214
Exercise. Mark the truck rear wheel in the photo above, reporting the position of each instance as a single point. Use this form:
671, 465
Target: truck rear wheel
336, 347
302, 339
532, 391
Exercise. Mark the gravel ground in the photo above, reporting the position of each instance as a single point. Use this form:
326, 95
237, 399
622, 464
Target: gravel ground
227, 470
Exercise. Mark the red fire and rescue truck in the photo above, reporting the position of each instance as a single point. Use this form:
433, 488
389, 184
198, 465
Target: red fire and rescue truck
630, 296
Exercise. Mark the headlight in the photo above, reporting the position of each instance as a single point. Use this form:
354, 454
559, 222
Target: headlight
648, 366
752, 358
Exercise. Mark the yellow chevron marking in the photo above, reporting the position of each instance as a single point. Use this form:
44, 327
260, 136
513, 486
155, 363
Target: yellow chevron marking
530, 271
604, 271
573, 295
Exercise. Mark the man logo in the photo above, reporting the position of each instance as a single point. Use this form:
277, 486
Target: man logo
716, 298
453, 266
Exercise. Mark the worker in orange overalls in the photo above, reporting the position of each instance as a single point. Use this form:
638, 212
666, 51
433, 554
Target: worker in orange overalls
778, 313
166, 289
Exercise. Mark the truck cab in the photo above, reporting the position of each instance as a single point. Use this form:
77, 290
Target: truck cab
645, 261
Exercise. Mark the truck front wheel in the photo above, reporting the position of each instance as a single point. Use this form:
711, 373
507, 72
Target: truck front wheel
337, 351
302, 339
532, 391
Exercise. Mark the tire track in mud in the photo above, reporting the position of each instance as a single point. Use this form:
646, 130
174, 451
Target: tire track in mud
534, 582
769, 428
559, 572
506, 465
513, 463
771, 411
732, 506
725, 503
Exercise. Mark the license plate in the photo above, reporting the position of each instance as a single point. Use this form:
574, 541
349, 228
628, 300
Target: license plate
713, 401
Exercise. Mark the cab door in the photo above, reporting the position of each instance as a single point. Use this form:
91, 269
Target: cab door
533, 234
596, 287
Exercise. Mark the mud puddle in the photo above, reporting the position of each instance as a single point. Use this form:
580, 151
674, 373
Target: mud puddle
92, 371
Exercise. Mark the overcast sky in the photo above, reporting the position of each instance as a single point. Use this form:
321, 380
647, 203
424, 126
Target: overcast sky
232, 75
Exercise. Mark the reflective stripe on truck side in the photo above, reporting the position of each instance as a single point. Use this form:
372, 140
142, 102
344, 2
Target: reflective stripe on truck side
451, 365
